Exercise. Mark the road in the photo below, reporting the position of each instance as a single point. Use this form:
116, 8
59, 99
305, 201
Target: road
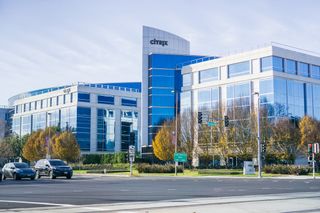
93, 191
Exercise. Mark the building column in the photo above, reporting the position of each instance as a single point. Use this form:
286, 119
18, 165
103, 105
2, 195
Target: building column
117, 130
93, 130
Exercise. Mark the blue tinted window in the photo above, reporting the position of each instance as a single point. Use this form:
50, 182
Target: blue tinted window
187, 79
162, 72
162, 111
315, 71
238, 69
303, 69
272, 63
83, 97
129, 102
162, 81
209, 75
83, 128
167, 100
105, 99
160, 91
290, 66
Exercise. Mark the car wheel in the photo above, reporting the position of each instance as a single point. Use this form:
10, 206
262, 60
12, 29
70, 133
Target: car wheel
15, 176
3, 177
38, 176
68, 176
51, 175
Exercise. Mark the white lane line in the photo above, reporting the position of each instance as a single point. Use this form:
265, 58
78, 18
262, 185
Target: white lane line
55, 204
36, 203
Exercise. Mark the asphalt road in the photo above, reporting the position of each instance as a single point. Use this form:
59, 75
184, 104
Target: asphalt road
86, 190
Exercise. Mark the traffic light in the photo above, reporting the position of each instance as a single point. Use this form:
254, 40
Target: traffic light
263, 147
310, 148
199, 117
226, 121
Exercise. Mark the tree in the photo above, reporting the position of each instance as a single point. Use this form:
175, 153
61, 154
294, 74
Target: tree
163, 146
309, 130
35, 148
285, 139
6, 151
65, 147
38, 144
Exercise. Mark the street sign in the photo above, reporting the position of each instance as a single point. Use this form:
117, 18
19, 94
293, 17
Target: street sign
180, 157
211, 123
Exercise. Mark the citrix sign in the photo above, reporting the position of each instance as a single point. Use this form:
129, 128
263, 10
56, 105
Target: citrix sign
159, 42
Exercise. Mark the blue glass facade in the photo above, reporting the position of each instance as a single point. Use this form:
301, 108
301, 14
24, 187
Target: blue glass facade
165, 82
105, 130
83, 127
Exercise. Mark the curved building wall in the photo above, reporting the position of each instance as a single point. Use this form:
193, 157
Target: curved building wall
156, 41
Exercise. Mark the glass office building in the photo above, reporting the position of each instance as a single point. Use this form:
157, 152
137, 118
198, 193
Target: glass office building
287, 80
5, 121
104, 117
164, 54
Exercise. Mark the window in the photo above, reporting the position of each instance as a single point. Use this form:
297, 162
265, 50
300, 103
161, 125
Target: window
83, 97
129, 102
303, 69
83, 127
272, 63
105, 99
209, 75
187, 79
315, 71
238, 69
290, 66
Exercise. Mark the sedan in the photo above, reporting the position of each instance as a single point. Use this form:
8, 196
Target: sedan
18, 171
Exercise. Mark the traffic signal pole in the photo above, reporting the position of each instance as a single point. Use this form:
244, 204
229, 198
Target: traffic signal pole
313, 166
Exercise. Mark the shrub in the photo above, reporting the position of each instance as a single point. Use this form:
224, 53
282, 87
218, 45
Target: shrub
110, 158
156, 168
287, 169
100, 166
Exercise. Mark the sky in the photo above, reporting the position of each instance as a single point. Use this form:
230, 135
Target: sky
46, 43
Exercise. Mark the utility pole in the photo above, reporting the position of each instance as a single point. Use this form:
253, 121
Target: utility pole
258, 134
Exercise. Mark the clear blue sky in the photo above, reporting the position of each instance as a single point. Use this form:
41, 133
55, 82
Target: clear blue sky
49, 43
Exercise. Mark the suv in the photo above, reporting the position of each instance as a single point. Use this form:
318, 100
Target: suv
53, 168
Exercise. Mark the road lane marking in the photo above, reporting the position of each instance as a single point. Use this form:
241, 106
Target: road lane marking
36, 203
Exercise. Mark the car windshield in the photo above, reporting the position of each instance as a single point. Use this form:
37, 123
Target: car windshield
21, 165
57, 163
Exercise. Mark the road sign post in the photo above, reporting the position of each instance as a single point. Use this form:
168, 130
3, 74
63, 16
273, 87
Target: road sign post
180, 157
131, 157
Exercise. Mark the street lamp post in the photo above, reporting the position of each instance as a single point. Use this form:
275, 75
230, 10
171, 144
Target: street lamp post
258, 135
49, 140
176, 128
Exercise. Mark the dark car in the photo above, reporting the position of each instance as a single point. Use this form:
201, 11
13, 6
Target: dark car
0, 175
18, 171
53, 168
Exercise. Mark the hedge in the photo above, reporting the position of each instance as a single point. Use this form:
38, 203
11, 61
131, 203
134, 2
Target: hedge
287, 169
100, 166
119, 157
156, 168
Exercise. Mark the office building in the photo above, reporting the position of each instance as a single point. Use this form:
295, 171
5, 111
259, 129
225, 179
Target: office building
104, 117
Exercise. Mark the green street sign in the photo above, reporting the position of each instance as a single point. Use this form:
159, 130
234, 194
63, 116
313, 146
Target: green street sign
210, 123
180, 157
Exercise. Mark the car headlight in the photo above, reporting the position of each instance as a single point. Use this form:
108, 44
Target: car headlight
54, 168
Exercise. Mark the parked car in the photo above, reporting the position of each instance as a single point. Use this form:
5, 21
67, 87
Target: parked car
0, 175
18, 171
53, 168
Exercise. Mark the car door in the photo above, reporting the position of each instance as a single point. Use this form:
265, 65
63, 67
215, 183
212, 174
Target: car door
10, 170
